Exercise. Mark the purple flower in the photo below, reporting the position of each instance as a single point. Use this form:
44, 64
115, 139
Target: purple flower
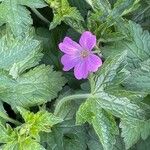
80, 56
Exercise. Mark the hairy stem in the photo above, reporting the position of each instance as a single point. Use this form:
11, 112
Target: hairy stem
39, 15
69, 98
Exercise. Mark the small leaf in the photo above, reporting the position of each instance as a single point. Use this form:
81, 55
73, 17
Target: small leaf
7, 134
35, 123
64, 12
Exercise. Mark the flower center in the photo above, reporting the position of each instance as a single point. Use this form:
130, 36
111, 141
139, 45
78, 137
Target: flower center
84, 53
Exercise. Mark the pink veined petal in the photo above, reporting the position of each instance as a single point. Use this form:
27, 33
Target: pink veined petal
69, 46
69, 61
87, 40
81, 71
93, 63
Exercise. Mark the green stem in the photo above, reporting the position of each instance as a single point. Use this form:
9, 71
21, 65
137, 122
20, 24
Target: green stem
10, 119
96, 51
40, 15
69, 98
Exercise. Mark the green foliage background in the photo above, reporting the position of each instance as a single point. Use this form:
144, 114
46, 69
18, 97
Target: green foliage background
44, 108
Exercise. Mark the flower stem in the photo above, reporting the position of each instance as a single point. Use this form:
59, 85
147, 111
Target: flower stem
69, 98
2, 115
40, 15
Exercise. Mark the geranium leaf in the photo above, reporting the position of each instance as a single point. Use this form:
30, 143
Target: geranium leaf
68, 135
16, 15
33, 3
26, 54
119, 105
64, 12
133, 130
35, 123
37, 86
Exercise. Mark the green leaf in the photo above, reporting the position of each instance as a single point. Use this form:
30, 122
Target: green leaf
2, 110
82, 6
92, 140
35, 123
112, 37
16, 15
103, 123
51, 52
139, 80
133, 130
119, 105
142, 145
18, 55
74, 19
138, 58
65, 136
35, 87
106, 128
104, 103
142, 14
7, 134
69, 108
3, 114
26, 136
64, 12
56, 21
85, 114
105, 16
137, 47
107, 73
102, 5
33, 3
123, 7
27, 144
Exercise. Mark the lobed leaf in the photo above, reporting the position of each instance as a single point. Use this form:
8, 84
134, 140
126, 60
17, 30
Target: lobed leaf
16, 16
35, 123
35, 87
133, 130
18, 55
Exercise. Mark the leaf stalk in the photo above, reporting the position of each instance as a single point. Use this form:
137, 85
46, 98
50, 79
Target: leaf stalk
69, 98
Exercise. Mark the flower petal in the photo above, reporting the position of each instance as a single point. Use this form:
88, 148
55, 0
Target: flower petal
69, 61
69, 46
93, 63
81, 71
87, 40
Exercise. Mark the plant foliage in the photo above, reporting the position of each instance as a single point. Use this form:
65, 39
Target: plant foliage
44, 108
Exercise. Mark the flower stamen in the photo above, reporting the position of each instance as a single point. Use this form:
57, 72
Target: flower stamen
84, 54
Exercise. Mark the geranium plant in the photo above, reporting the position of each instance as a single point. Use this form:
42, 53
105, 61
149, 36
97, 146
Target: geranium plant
74, 75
